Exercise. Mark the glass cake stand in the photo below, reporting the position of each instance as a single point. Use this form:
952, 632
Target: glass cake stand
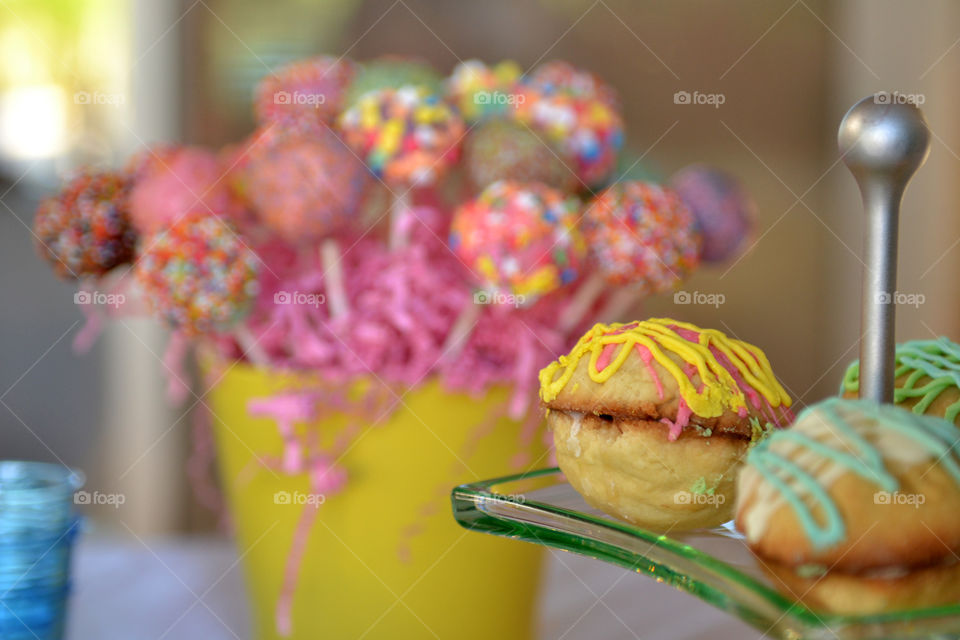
713, 564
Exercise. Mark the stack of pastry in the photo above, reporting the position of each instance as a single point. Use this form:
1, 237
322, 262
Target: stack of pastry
652, 419
854, 508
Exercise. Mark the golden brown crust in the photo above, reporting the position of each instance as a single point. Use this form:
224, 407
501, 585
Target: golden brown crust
852, 594
879, 532
632, 393
628, 468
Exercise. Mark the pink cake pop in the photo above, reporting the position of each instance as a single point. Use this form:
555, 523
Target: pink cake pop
306, 92
520, 241
724, 212
408, 137
85, 230
170, 181
306, 187
642, 239
302, 186
198, 275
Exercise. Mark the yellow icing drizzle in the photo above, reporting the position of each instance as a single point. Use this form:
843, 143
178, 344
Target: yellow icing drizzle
720, 388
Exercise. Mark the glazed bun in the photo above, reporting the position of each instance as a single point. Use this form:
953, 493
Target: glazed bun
651, 419
927, 378
854, 508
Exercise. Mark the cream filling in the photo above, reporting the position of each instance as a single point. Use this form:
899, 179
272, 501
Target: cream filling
573, 439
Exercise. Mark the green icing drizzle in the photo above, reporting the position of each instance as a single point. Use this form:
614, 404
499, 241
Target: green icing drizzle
769, 463
758, 431
937, 359
700, 487
937, 436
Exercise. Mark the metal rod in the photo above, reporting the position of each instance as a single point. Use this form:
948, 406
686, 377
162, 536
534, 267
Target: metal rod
883, 141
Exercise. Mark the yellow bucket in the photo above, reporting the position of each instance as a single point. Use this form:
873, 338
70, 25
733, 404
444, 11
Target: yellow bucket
384, 557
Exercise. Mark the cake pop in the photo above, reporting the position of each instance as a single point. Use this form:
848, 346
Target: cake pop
479, 91
408, 137
642, 240
504, 150
198, 275
586, 129
305, 92
85, 230
558, 76
724, 212
392, 72
520, 241
170, 181
302, 187
306, 187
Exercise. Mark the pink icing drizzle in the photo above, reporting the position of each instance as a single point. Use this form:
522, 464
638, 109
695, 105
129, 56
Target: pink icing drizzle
687, 334
683, 419
606, 356
647, 358
758, 401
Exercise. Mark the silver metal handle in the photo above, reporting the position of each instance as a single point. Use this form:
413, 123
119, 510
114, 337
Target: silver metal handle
883, 142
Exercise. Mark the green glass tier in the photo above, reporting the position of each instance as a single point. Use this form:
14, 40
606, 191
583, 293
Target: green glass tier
713, 564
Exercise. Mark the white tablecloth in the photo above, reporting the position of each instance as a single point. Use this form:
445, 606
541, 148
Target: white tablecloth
186, 589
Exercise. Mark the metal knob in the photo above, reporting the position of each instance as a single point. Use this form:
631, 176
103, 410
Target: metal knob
883, 143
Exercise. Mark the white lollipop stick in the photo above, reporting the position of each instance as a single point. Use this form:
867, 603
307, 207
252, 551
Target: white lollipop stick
619, 304
333, 277
581, 303
399, 212
461, 330
250, 347
93, 316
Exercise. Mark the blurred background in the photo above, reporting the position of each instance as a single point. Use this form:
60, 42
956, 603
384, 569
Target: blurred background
90, 81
